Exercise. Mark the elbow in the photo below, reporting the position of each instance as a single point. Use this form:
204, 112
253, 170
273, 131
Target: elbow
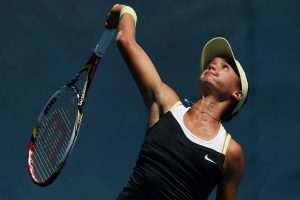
125, 41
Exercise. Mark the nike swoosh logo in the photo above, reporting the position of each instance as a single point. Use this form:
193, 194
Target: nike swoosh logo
210, 160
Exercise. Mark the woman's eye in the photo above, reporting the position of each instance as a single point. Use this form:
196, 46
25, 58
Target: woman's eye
225, 66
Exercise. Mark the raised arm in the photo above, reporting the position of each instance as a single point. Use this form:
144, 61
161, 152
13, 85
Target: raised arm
157, 96
232, 173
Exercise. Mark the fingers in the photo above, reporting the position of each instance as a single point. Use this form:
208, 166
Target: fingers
112, 19
117, 7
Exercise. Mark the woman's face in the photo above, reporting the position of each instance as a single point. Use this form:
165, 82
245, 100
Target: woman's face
219, 76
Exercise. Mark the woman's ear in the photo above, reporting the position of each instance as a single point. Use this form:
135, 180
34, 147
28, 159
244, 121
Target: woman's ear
237, 95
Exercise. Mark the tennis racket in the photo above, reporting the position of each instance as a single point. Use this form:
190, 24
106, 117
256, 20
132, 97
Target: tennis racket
58, 125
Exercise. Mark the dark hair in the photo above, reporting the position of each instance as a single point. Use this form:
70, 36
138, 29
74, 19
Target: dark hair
227, 116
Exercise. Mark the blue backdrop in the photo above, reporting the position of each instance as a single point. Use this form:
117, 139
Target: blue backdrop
43, 43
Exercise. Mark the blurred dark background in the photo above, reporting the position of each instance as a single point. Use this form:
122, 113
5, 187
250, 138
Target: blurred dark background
44, 43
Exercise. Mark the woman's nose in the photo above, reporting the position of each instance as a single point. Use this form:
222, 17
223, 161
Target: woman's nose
211, 66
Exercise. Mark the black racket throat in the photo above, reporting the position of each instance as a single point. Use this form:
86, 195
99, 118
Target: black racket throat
89, 68
87, 72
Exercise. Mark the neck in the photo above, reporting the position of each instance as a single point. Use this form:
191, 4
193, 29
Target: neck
207, 113
210, 108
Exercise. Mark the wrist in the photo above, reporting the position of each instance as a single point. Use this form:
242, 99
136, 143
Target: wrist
130, 11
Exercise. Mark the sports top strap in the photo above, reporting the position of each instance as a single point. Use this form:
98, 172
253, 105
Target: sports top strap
226, 143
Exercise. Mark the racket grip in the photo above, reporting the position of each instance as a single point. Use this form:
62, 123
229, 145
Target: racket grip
104, 41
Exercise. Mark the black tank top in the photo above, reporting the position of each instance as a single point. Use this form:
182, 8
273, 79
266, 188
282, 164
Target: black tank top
172, 167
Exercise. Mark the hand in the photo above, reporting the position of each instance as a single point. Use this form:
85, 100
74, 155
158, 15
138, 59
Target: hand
113, 16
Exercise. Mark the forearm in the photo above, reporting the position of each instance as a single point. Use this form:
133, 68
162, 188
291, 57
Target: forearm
153, 90
138, 62
126, 28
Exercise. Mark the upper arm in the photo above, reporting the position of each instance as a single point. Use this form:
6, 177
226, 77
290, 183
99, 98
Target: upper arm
233, 172
157, 96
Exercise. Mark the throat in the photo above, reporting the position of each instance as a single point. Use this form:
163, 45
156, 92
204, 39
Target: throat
201, 125
208, 113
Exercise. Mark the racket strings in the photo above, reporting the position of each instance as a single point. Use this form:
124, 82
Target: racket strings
55, 132
47, 152
51, 148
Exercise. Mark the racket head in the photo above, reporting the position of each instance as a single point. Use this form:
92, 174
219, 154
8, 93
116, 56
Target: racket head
54, 135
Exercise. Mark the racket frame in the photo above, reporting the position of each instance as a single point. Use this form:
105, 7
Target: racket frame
89, 68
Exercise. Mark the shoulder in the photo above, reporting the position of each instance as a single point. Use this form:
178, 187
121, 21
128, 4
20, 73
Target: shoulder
234, 158
235, 150
232, 172
164, 101
167, 98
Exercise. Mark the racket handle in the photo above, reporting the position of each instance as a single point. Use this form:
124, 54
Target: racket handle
104, 41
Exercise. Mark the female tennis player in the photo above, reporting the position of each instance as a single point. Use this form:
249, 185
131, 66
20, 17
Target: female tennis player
186, 150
